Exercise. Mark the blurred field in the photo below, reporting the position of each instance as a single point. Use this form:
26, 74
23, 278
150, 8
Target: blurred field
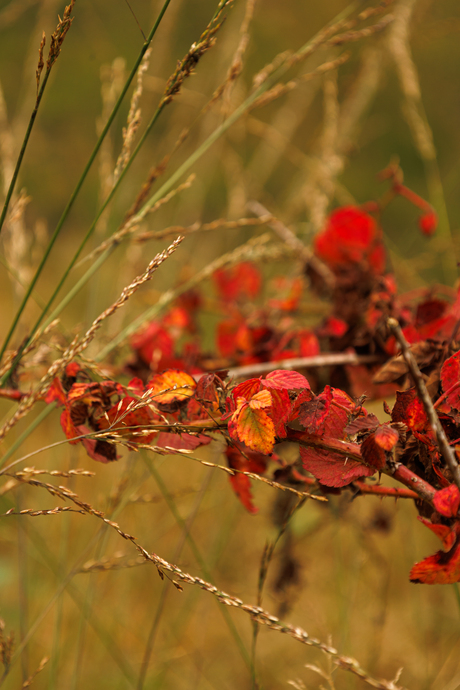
346, 563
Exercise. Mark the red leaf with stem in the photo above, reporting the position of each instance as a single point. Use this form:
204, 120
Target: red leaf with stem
240, 457
333, 469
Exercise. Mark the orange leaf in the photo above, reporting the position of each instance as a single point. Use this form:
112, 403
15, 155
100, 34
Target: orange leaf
441, 569
256, 429
386, 437
261, 399
172, 387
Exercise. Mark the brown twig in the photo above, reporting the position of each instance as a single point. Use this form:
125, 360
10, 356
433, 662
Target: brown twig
448, 453
328, 359
294, 243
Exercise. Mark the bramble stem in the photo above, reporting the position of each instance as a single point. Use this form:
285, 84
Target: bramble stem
447, 452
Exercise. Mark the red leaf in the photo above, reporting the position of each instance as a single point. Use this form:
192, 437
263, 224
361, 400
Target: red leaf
241, 458
416, 418
447, 501
181, 441
333, 469
334, 327
428, 223
153, 343
280, 410
373, 453
312, 415
226, 337
68, 427
243, 390
441, 569
450, 379
289, 380
308, 343
56, 393
241, 280
446, 534
386, 437
350, 237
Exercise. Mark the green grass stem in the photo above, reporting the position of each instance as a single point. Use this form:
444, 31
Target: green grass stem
79, 185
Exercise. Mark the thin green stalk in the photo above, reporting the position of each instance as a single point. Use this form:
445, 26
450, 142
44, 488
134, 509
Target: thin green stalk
169, 184
33, 116
457, 593
66, 584
166, 588
62, 559
166, 187
23, 584
172, 506
180, 625
82, 179
25, 434
39, 302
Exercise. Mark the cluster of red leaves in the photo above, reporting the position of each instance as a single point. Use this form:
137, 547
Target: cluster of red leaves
176, 404
105, 413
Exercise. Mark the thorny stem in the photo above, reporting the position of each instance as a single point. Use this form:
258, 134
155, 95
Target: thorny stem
72, 199
447, 452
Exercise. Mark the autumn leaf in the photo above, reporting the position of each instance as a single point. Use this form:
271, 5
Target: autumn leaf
240, 457
254, 428
171, 389
282, 378
386, 437
450, 379
312, 414
184, 441
443, 568
331, 468
350, 237
447, 501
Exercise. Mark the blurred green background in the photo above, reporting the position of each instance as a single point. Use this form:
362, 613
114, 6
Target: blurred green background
346, 563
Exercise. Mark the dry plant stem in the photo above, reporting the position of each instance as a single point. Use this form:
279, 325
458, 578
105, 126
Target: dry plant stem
80, 344
256, 613
27, 683
218, 224
283, 89
276, 485
328, 359
166, 187
414, 111
447, 452
184, 69
294, 243
254, 250
74, 196
307, 49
